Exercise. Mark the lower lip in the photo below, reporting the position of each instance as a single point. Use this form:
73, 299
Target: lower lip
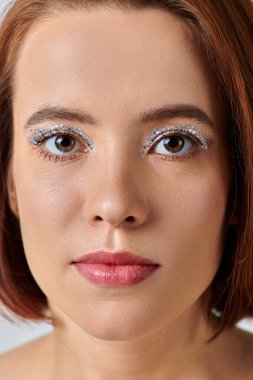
119, 275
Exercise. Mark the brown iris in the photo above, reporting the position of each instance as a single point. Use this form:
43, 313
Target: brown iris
65, 143
174, 144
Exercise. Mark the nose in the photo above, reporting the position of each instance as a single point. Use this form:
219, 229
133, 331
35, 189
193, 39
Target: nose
116, 197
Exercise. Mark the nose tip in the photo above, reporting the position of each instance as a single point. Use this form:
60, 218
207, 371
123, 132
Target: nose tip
115, 194
116, 206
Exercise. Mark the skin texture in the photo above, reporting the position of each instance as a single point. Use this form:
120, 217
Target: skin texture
154, 329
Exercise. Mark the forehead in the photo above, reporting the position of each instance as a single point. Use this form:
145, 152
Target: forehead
123, 57
110, 31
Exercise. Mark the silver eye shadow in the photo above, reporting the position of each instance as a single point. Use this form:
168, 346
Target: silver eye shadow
40, 134
190, 131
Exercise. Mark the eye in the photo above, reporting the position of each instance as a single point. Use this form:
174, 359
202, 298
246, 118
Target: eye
173, 145
62, 144
177, 142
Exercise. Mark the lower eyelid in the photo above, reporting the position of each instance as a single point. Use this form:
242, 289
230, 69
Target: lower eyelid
194, 151
46, 155
178, 158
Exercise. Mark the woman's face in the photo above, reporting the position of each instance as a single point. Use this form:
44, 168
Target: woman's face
71, 199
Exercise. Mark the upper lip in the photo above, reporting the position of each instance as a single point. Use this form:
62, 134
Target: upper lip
116, 258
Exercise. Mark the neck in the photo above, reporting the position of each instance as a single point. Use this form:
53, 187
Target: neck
177, 350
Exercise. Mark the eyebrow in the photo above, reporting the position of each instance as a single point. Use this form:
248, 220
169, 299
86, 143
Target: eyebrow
152, 115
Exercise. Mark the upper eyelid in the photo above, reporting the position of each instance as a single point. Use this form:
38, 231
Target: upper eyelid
187, 130
190, 131
39, 133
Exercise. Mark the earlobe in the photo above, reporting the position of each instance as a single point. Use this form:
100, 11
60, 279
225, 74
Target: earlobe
11, 191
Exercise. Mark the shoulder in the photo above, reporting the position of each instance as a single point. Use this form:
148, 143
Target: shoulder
230, 355
23, 362
245, 344
246, 339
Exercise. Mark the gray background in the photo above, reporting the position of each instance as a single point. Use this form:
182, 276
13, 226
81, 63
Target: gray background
15, 334
3, 4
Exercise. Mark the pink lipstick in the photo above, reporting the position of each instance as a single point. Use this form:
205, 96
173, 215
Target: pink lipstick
115, 269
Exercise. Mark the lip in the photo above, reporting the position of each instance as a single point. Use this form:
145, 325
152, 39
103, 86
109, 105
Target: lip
114, 258
115, 269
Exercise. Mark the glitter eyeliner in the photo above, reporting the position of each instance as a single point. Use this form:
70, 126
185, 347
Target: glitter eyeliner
40, 134
190, 131
195, 134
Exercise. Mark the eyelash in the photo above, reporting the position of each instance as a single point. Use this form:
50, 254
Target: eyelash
60, 157
40, 136
198, 143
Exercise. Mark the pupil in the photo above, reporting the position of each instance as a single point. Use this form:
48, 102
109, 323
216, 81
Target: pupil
174, 144
64, 143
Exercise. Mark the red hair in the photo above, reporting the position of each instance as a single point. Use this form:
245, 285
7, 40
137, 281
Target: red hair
223, 29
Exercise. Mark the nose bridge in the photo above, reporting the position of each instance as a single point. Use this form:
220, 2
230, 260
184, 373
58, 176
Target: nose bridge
115, 160
115, 191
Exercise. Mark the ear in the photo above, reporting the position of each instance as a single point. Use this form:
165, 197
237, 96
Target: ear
11, 190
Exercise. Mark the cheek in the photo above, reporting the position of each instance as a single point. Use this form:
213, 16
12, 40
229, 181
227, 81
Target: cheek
48, 205
191, 238
191, 224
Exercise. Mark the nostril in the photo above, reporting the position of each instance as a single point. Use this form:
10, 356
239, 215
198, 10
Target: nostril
127, 220
130, 219
98, 218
